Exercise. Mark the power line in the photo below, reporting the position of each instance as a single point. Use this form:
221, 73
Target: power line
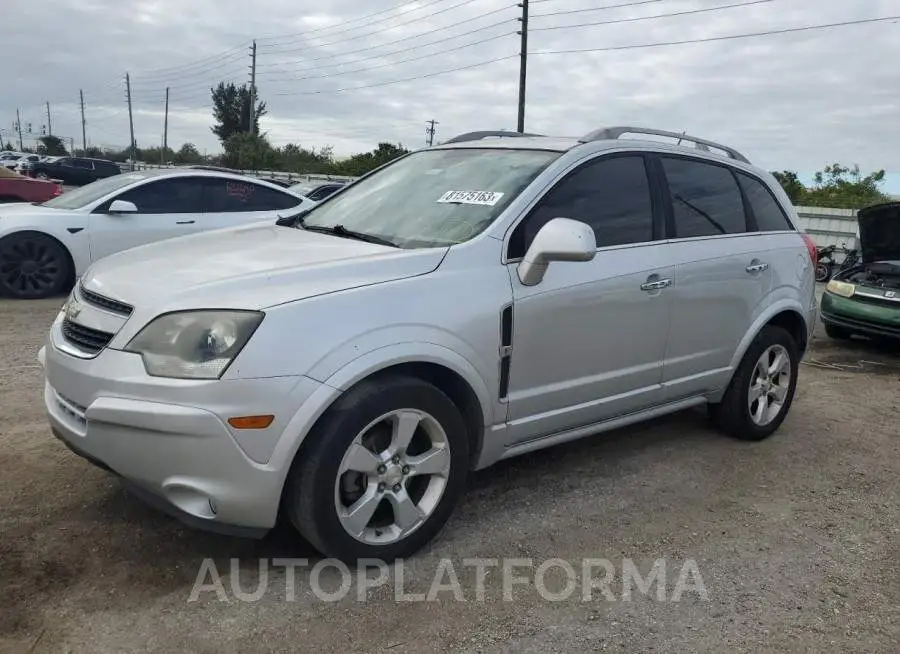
640, 18
401, 51
397, 81
393, 63
297, 36
788, 30
381, 30
581, 11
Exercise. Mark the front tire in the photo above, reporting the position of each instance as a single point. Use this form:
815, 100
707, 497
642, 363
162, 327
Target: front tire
762, 389
381, 471
33, 266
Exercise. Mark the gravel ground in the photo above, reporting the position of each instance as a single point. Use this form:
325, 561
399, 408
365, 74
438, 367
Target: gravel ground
796, 540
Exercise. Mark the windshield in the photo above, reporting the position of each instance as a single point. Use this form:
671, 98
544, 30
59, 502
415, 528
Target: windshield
94, 191
433, 197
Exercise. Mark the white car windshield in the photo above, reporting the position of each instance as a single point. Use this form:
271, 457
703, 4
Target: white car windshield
88, 193
433, 197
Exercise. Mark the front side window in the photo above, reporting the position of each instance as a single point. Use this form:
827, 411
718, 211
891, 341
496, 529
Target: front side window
175, 195
611, 194
706, 200
81, 197
82, 163
434, 197
223, 195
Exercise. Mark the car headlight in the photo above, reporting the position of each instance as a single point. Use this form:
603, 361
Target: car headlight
843, 289
194, 344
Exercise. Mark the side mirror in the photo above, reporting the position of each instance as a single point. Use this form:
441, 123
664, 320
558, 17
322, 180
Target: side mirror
122, 206
561, 239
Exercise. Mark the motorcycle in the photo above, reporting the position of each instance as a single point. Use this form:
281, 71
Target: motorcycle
827, 267
825, 262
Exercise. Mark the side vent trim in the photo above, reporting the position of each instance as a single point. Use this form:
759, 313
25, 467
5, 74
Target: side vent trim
506, 346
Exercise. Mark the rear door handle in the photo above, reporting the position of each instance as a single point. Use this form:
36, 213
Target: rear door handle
655, 285
757, 267
184, 222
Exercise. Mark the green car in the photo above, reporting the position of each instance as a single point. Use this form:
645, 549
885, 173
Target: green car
865, 299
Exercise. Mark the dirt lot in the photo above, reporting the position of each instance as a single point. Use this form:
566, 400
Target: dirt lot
797, 539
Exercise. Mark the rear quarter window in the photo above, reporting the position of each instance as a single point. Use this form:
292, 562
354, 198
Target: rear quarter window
769, 214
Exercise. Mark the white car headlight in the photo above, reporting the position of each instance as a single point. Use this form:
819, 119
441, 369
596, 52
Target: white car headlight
194, 344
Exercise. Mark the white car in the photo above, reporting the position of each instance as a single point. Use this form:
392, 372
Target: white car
45, 247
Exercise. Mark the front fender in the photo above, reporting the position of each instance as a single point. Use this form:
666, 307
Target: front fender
413, 352
359, 368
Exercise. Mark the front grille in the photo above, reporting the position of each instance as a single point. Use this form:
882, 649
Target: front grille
86, 339
105, 303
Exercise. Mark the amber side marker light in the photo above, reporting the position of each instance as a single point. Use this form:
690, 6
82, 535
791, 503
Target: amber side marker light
251, 422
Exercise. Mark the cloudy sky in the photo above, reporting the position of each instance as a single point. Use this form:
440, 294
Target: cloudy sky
338, 72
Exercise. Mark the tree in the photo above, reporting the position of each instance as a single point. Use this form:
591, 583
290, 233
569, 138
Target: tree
231, 110
246, 151
188, 154
835, 186
8, 145
791, 185
360, 164
52, 146
844, 187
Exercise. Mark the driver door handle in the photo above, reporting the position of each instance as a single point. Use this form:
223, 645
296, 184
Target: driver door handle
655, 285
184, 222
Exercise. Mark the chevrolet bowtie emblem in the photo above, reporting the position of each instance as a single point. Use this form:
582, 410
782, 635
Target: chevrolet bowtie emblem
72, 309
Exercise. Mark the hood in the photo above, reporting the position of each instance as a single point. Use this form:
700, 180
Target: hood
251, 267
879, 232
16, 209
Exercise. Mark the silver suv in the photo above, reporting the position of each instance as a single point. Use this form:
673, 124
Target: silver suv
466, 303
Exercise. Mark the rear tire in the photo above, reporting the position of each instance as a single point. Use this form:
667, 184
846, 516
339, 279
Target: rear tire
837, 333
360, 489
33, 266
762, 389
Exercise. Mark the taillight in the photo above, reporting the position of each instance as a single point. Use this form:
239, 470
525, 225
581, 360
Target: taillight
813, 249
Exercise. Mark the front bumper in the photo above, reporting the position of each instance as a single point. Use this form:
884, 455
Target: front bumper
861, 316
170, 440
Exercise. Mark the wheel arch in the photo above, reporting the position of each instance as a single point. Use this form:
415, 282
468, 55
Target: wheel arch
70, 279
446, 369
785, 314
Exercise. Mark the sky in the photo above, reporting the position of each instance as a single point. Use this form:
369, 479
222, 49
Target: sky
338, 72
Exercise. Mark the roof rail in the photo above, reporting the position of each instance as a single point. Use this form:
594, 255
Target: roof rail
613, 133
477, 136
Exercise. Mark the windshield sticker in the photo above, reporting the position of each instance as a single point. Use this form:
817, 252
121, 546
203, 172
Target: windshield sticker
485, 198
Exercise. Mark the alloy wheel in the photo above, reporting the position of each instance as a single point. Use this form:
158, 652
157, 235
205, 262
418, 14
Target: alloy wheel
769, 385
392, 476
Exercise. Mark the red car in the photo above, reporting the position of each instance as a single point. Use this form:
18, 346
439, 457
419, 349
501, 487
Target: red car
18, 188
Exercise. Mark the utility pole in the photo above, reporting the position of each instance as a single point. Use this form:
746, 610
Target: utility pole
162, 155
523, 63
429, 131
253, 87
83, 130
130, 117
19, 127
49, 126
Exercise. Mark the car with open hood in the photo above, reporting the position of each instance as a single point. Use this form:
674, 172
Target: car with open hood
348, 367
865, 299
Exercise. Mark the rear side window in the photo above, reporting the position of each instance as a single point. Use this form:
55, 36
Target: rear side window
768, 213
612, 195
706, 200
229, 196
